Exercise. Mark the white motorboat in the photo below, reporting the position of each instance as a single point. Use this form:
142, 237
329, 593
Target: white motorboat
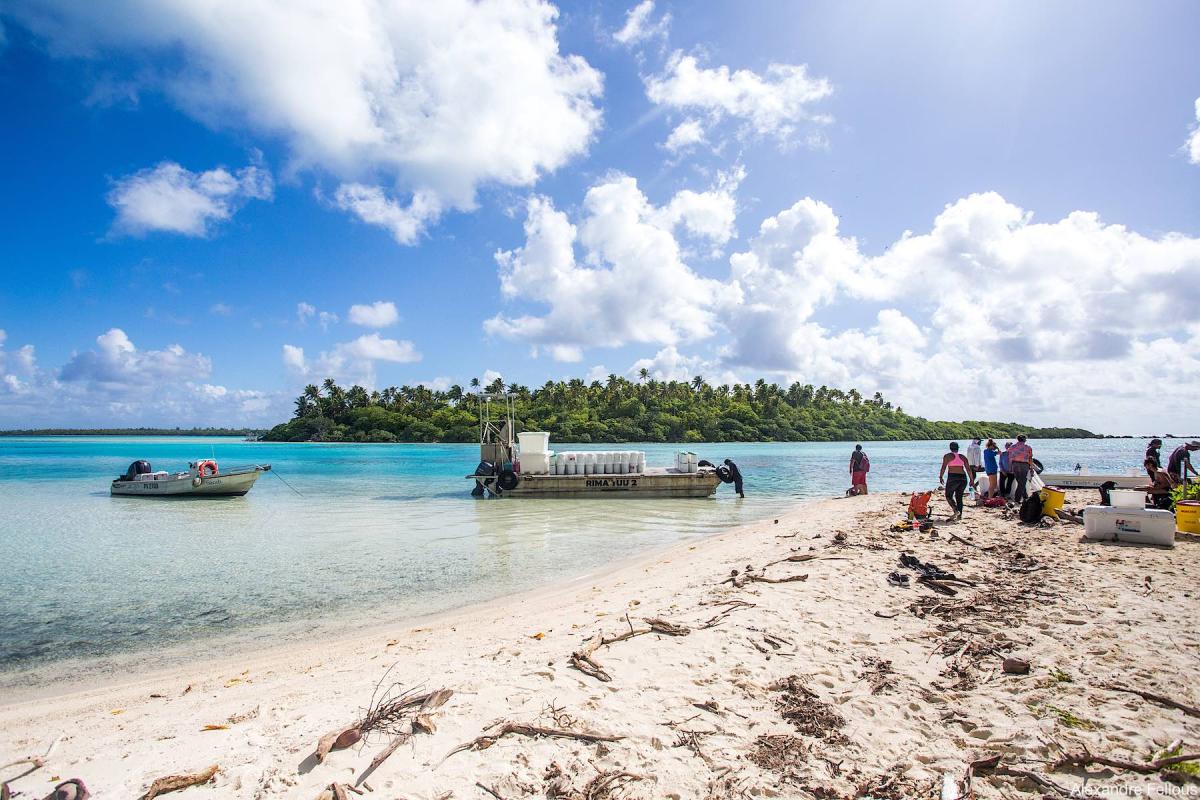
1083, 479
203, 479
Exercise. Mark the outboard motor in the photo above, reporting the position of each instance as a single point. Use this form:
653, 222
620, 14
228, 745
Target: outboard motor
485, 469
137, 468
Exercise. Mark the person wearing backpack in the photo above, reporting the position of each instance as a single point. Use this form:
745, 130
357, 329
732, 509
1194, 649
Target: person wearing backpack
956, 473
860, 465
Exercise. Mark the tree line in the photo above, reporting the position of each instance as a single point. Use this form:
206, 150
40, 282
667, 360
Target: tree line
620, 410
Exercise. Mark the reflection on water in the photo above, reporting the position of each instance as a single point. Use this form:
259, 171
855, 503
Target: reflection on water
378, 532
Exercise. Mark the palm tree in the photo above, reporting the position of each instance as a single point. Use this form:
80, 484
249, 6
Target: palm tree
643, 374
697, 382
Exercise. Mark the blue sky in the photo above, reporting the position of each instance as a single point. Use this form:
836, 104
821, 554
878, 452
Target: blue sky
985, 210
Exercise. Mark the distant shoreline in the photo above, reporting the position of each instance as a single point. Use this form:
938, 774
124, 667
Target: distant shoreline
231, 432
132, 432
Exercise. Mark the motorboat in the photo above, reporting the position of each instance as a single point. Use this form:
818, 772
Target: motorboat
1082, 478
204, 478
524, 466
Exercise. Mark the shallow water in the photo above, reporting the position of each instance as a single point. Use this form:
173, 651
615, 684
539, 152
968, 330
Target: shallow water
93, 583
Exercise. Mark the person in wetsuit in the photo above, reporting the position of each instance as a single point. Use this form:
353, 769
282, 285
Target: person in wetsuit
736, 474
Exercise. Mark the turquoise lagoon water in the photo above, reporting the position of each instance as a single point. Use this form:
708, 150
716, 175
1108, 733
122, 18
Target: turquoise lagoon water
93, 584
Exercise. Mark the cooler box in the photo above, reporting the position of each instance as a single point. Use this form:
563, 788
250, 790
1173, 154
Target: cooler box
1127, 498
1137, 525
533, 442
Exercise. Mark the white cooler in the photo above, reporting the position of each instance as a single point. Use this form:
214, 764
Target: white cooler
1137, 525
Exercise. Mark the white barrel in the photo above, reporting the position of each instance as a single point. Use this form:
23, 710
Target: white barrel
641, 468
622, 463
559, 460
608, 463
589, 463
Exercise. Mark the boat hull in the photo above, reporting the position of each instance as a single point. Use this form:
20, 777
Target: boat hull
1072, 480
666, 483
231, 485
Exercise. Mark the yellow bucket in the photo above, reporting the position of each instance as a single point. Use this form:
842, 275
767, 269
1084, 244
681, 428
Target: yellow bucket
1187, 516
1052, 501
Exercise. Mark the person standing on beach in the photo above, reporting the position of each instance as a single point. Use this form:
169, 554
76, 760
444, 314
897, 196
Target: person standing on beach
975, 459
1180, 462
1005, 470
1153, 452
860, 465
1160, 486
1020, 461
955, 473
991, 466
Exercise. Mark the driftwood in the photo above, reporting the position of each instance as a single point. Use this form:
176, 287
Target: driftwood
740, 579
1191, 711
490, 791
173, 783
1087, 759
422, 722
941, 587
532, 731
387, 713
584, 660
734, 605
1041, 781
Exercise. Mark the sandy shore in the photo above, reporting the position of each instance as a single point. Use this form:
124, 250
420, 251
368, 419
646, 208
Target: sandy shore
837, 685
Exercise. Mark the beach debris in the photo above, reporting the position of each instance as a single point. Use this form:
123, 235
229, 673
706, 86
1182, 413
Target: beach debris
539, 636
807, 713
1015, 666
532, 731
887, 614
173, 783
734, 605
584, 659
877, 672
1086, 758
490, 791
68, 790
1191, 711
740, 579
421, 722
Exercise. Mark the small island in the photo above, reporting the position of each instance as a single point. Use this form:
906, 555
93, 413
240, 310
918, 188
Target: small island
620, 410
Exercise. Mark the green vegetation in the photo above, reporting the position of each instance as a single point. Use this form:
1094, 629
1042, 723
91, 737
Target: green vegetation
1186, 767
1064, 717
129, 432
619, 410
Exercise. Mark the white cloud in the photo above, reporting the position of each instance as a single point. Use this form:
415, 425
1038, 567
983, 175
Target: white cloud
1193, 142
774, 104
350, 362
685, 136
420, 100
379, 314
116, 363
1059, 322
221, 309
639, 27
489, 377
307, 311
173, 199
632, 285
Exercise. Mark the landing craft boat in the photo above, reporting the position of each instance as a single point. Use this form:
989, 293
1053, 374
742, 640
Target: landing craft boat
528, 468
202, 479
1082, 479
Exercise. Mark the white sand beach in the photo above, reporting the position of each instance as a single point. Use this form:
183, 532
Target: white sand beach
834, 686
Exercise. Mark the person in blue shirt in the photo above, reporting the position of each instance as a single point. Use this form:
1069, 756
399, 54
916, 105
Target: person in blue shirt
991, 466
1006, 476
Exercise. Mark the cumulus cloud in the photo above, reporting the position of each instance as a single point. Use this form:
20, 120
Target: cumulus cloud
424, 101
350, 362
987, 313
1193, 142
685, 136
117, 384
169, 198
379, 314
631, 285
116, 363
1004, 313
640, 26
776, 104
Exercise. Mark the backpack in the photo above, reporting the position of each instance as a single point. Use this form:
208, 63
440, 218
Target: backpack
1031, 509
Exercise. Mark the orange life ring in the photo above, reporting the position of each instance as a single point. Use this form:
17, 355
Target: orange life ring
206, 465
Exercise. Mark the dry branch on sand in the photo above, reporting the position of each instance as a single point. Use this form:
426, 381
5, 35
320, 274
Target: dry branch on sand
1088, 759
584, 660
740, 579
1191, 711
390, 712
173, 783
532, 731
